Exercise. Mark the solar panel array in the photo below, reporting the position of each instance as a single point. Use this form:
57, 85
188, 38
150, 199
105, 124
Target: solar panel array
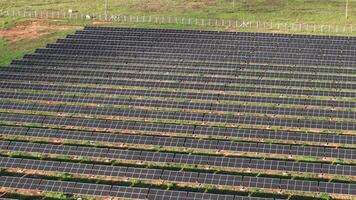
181, 114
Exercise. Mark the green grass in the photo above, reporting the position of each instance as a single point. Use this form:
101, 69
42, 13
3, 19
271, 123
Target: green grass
56, 195
311, 11
9, 22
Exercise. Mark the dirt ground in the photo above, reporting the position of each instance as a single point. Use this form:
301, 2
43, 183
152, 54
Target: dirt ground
31, 30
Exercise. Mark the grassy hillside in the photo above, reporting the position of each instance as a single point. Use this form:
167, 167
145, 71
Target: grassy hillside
310, 11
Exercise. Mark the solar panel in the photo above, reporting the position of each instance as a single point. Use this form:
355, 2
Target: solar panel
251, 111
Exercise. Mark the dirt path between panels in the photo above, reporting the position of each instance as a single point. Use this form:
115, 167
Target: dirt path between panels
32, 30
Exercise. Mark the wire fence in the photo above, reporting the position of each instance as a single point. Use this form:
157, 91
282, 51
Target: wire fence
234, 24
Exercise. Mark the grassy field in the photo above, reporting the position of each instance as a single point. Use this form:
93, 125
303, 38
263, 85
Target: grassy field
292, 11
300, 11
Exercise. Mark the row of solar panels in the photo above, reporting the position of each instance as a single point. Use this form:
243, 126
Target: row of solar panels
147, 41
221, 34
110, 92
227, 132
175, 48
335, 74
187, 106
218, 66
176, 176
247, 163
106, 70
164, 85
93, 189
254, 80
106, 170
187, 48
228, 55
248, 58
232, 132
217, 45
191, 159
260, 182
184, 116
283, 149
173, 85
213, 82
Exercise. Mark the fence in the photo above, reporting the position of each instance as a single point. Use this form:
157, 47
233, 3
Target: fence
236, 24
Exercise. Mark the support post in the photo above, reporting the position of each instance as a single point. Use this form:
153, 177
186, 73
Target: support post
106, 9
347, 9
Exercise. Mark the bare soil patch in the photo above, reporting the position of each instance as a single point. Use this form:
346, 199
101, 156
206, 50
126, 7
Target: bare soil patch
31, 30
101, 23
